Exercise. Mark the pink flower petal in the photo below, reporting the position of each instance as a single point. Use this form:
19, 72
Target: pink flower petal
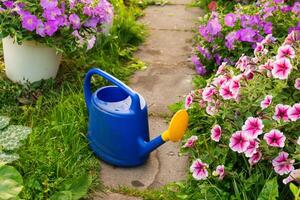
281, 112
255, 158
252, 148
286, 51
239, 142
199, 170
282, 68
283, 165
191, 142
294, 112
275, 138
253, 127
266, 102
216, 133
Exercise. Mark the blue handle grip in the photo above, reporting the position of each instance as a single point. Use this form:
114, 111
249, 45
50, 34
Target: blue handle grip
135, 105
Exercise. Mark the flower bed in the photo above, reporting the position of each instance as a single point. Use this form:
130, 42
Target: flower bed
245, 124
225, 37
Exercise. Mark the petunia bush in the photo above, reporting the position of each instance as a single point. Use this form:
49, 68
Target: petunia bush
65, 25
226, 36
245, 125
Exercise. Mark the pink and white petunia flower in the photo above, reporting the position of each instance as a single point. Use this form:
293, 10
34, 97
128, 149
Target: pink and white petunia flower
235, 84
255, 158
294, 112
282, 68
285, 51
216, 133
275, 138
252, 148
266, 102
188, 101
222, 68
297, 84
259, 48
294, 176
253, 127
208, 92
211, 109
298, 141
281, 112
199, 170
239, 142
191, 142
220, 80
282, 165
226, 93
220, 172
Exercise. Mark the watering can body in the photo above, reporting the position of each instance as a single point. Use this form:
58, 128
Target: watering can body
118, 122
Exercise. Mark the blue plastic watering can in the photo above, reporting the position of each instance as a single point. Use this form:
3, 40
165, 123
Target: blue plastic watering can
118, 130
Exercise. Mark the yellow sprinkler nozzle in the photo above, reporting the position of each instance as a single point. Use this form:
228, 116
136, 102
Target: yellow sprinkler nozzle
177, 128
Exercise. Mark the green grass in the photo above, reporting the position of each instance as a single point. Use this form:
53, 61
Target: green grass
57, 151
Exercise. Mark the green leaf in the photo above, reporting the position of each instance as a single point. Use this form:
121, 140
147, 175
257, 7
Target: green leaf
10, 137
78, 188
11, 182
294, 189
269, 191
8, 158
4, 122
62, 195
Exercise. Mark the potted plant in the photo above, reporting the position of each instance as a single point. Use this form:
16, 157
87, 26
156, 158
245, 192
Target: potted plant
36, 33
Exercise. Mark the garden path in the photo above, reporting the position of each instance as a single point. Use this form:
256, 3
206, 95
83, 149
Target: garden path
165, 81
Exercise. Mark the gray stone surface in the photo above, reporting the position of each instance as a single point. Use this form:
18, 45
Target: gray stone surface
165, 81
167, 47
113, 196
171, 17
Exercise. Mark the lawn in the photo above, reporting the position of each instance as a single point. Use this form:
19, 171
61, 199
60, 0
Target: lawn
56, 152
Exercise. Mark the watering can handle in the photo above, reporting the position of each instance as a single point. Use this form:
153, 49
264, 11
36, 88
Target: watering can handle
135, 106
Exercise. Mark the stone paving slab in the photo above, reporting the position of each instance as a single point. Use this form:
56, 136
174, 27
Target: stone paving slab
161, 88
171, 17
114, 196
161, 47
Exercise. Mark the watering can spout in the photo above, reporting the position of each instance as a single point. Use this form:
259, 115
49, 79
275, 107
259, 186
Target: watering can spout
175, 132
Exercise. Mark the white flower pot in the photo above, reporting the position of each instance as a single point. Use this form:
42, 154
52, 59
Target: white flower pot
30, 61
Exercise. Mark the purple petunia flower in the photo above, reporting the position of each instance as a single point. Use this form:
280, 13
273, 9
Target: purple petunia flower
204, 52
244, 20
218, 59
8, 4
51, 14
200, 69
268, 27
29, 22
286, 9
296, 8
92, 22
246, 35
230, 19
75, 21
49, 4
230, 39
214, 26
51, 27
254, 20
40, 28
278, 1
